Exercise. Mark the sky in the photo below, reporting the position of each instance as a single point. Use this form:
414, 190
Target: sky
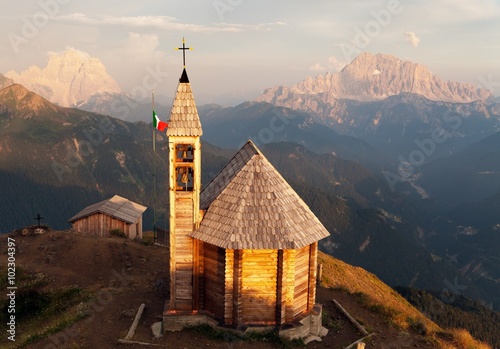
241, 47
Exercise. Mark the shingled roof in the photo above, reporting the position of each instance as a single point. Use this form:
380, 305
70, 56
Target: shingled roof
184, 119
251, 206
116, 207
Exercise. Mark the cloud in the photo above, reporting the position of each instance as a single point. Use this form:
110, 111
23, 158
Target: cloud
143, 47
317, 67
465, 10
82, 54
412, 38
163, 23
335, 65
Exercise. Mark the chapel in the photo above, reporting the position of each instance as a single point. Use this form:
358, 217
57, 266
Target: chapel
243, 248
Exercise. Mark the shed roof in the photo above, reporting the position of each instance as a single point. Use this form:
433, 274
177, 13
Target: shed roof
251, 206
184, 119
116, 207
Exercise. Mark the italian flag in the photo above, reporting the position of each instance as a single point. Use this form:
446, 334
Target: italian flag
158, 124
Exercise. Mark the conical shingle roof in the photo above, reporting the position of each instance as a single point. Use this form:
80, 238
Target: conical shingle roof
251, 206
184, 119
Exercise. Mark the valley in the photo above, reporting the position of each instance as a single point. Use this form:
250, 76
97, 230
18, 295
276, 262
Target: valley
403, 174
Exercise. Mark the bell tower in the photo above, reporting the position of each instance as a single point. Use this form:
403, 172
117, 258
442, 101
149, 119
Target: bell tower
184, 133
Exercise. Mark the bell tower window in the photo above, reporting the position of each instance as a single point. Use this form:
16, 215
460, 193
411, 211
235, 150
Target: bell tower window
184, 153
184, 171
184, 178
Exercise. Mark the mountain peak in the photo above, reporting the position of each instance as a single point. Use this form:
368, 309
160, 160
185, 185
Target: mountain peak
69, 77
372, 77
5, 81
18, 98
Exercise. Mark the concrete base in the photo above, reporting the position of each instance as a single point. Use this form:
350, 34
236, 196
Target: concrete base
178, 321
307, 326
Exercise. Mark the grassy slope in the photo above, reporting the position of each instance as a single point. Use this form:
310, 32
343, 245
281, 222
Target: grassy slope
381, 298
337, 274
49, 272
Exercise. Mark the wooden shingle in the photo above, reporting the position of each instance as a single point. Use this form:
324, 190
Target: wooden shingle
184, 119
249, 205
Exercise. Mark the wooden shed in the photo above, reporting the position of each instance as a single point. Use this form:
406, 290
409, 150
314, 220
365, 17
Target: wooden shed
260, 244
114, 213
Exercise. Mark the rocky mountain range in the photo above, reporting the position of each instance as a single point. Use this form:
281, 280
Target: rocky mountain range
374, 77
341, 150
50, 155
394, 106
56, 160
68, 79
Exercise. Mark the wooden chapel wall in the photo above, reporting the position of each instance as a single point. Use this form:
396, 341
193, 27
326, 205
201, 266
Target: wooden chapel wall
259, 286
214, 266
301, 284
182, 246
313, 269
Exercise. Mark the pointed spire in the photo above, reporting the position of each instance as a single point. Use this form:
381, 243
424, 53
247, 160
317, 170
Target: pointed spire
184, 77
184, 118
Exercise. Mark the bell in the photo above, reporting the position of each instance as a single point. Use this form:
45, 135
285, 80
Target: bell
185, 177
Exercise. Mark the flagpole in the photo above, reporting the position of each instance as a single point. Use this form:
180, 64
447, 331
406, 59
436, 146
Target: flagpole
154, 171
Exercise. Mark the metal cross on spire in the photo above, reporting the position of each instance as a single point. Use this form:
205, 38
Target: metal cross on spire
183, 48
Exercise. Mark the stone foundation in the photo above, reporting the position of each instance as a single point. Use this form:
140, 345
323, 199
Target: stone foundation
178, 320
307, 325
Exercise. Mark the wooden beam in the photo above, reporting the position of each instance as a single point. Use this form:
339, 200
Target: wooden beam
132, 329
289, 261
313, 267
228, 286
281, 290
196, 275
237, 286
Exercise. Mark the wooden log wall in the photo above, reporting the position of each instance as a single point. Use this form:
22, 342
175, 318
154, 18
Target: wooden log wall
270, 286
215, 271
182, 258
258, 286
289, 266
313, 268
237, 310
280, 295
301, 284
100, 224
228, 286
138, 225
199, 265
